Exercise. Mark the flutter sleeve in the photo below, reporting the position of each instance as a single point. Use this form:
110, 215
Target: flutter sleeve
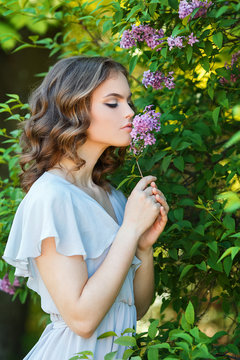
49, 213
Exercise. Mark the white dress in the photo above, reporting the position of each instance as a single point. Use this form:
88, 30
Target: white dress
55, 207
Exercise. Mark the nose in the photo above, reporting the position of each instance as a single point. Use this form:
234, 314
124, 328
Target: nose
130, 112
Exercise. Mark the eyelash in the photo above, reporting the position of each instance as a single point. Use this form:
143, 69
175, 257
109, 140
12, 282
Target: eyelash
115, 105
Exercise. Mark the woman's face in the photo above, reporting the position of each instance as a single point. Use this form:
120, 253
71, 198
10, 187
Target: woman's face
110, 113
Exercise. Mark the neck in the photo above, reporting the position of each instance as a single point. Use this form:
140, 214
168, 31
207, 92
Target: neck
90, 152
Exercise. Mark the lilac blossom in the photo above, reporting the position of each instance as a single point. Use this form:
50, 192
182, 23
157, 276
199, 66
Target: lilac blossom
7, 287
175, 41
143, 129
233, 66
141, 33
157, 79
187, 7
192, 39
127, 41
235, 57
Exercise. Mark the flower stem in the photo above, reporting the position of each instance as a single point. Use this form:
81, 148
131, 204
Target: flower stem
139, 168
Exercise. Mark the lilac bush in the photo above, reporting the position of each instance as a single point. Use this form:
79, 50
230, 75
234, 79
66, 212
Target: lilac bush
157, 79
7, 287
142, 33
187, 7
143, 130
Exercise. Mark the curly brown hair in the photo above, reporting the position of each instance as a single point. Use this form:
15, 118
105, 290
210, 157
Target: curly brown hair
60, 109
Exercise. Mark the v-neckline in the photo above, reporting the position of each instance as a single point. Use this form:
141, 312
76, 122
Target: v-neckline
89, 196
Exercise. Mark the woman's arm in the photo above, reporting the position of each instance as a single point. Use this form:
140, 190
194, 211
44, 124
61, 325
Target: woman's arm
144, 282
84, 302
144, 277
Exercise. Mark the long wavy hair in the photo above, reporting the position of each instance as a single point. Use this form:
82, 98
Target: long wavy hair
60, 116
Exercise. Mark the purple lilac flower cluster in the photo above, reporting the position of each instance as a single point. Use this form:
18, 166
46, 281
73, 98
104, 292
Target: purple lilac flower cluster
186, 8
234, 66
157, 79
178, 41
7, 287
143, 127
141, 33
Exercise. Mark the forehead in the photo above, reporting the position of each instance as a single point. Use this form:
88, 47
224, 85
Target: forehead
115, 83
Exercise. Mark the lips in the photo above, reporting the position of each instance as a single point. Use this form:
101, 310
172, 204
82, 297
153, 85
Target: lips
129, 125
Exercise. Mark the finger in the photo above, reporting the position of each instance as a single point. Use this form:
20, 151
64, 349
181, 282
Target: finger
153, 198
143, 183
156, 190
153, 184
162, 202
164, 215
162, 218
149, 191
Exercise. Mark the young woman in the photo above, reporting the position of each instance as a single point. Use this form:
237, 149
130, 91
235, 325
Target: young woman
85, 248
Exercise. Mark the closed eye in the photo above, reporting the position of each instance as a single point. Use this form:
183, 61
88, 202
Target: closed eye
115, 105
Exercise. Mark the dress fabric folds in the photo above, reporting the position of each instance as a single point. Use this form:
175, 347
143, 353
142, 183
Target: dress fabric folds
81, 226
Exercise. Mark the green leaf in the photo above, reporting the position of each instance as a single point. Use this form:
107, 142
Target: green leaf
133, 63
189, 313
152, 354
178, 214
215, 115
127, 353
208, 48
213, 246
152, 330
183, 346
107, 334
205, 63
229, 222
161, 346
134, 10
227, 265
125, 341
185, 20
166, 162
164, 52
202, 266
218, 39
24, 46
233, 251
152, 9
189, 53
110, 356
200, 229
128, 330
234, 139
185, 271
179, 163
23, 295
176, 30
221, 11
107, 25
210, 92
185, 325
222, 98
173, 4
173, 253
174, 334
202, 353
179, 189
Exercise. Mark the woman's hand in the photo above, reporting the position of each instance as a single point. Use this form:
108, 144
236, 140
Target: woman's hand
150, 236
142, 209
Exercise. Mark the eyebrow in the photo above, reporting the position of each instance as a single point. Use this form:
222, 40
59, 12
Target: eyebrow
118, 95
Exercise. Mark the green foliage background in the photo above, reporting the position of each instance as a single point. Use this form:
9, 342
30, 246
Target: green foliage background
195, 158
